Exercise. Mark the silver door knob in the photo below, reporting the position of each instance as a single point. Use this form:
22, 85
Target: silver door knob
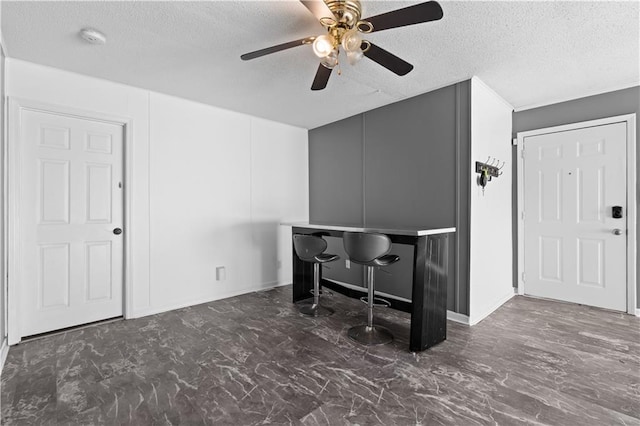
617, 232
117, 231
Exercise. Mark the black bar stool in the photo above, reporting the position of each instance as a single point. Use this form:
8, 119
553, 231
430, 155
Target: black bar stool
370, 250
310, 248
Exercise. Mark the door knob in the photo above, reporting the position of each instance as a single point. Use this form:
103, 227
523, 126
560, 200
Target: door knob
117, 231
617, 231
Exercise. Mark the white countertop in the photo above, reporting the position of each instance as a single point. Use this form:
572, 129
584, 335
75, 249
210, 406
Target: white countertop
413, 232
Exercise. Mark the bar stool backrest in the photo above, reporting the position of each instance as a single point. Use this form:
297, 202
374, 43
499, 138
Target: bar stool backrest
309, 246
365, 247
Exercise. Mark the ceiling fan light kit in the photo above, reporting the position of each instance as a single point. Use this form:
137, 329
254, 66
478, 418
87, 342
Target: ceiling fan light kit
323, 45
341, 18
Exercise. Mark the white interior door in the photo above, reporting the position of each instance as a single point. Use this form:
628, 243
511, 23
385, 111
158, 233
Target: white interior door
574, 249
71, 200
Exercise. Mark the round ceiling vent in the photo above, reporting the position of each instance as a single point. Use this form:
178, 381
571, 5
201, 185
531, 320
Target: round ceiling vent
93, 36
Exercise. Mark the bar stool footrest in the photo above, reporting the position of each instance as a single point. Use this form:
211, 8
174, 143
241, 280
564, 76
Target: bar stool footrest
378, 302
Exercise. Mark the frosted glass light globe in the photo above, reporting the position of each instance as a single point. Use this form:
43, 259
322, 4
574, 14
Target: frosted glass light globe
331, 60
351, 40
323, 45
354, 57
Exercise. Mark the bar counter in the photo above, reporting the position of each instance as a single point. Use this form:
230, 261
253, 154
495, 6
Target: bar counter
428, 307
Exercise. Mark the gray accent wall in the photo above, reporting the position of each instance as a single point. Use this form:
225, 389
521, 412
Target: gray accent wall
335, 173
402, 165
619, 102
409, 152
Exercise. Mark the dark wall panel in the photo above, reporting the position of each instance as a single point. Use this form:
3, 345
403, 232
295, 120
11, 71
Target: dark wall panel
458, 297
410, 162
335, 173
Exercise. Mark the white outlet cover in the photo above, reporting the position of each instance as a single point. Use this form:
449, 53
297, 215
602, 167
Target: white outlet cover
221, 273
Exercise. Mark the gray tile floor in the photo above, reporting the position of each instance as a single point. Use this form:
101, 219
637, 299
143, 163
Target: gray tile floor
252, 359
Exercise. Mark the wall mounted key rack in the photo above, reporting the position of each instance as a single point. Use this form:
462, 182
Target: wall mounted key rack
488, 170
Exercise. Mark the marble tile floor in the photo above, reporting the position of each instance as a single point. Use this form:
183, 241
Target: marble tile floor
253, 359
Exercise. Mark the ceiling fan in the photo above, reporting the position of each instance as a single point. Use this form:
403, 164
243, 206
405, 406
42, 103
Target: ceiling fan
341, 18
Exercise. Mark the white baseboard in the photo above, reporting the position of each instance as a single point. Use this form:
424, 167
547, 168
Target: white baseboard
476, 318
456, 317
638, 312
452, 316
226, 295
4, 351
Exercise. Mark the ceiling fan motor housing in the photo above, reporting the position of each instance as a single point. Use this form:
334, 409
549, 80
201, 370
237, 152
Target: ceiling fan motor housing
347, 12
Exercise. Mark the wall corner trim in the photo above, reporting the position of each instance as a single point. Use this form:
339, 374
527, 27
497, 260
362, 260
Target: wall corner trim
476, 318
477, 80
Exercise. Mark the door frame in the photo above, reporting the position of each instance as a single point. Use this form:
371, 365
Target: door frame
12, 238
630, 120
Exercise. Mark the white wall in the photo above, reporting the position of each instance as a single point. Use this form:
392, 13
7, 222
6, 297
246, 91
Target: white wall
491, 242
279, 190
209, 187
221, 182
3, 307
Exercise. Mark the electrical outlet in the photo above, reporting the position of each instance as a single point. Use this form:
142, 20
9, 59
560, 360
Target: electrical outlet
347, 263
221, 273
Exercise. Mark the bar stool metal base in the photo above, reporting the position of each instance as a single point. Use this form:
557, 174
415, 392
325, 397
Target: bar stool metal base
370, 336
316, 311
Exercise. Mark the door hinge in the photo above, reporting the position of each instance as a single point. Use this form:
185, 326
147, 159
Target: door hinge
523, 215
524, 277
522, 153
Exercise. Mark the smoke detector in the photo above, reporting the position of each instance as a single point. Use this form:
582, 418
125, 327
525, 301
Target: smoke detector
93, 36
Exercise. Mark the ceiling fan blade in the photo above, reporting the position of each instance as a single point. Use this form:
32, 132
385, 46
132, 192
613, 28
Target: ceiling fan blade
388, 60
277, 48
417, 14
319, 8
322, 78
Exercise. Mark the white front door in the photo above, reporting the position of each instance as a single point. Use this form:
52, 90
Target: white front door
71, 200
574, 247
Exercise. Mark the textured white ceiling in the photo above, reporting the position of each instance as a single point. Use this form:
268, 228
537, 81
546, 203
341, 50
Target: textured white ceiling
529, 52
